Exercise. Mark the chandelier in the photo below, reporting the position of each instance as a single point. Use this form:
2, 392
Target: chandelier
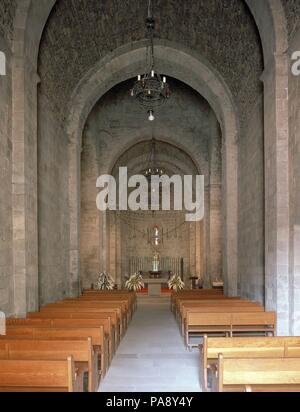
153, 169
151, 89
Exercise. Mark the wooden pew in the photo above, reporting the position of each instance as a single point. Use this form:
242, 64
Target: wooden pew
39, 376
244, 347
115, 321
54, 322
228, 324
203, 300
83, 302
217, 309
97, 335
75, 308
257, 375
214, 307
115, 294
194, 293
79, 311
81, 350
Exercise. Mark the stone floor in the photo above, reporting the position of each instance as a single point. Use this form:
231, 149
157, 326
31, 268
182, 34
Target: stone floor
152, 356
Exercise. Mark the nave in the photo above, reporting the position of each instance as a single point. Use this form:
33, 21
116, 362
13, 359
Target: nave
152, 356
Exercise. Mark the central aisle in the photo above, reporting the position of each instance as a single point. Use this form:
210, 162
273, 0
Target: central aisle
152, 356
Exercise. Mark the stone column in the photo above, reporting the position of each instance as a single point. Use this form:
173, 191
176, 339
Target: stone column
206, 232
113, 243
74, 281
294, 144
24, 183
230, 205
275, 78
198, 269
215, 194
118, 252
192, 236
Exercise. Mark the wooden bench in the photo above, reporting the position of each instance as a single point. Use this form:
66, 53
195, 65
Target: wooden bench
72, 308
81, 350
115, 321
203, 300
80, 311
112, 295
53, 322
217, 309
244, 347
257, 375
229, 324
83, 302
39, 376
193, 294
97, 335
229, 307
131, 296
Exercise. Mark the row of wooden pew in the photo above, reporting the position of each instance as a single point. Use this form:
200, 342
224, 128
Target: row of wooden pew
239, 349
203, 312
66, 346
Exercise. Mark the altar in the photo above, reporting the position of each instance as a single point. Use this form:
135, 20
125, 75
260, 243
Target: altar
155, 280
155, 286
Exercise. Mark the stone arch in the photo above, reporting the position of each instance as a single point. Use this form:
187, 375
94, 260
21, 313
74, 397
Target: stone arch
179, 63
135, 157
271, 22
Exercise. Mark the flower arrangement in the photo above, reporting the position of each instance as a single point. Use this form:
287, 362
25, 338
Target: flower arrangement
135, 283
175, 283
104, 282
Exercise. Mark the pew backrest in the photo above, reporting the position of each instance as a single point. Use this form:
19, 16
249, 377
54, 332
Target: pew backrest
38, 374
258, 372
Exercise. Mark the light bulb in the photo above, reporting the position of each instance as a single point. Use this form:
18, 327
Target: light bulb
152, 73
139, 77
164, 79
151, 116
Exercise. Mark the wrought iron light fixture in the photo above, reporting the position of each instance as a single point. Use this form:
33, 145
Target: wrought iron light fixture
153, 169
151, 89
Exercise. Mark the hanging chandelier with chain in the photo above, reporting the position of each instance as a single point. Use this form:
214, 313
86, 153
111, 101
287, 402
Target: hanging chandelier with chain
153, 168
151, 89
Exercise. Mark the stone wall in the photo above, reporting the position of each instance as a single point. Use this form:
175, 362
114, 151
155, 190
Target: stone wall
7, 13
292, 12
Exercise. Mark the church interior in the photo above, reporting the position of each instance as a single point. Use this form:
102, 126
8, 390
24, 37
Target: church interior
143, 299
